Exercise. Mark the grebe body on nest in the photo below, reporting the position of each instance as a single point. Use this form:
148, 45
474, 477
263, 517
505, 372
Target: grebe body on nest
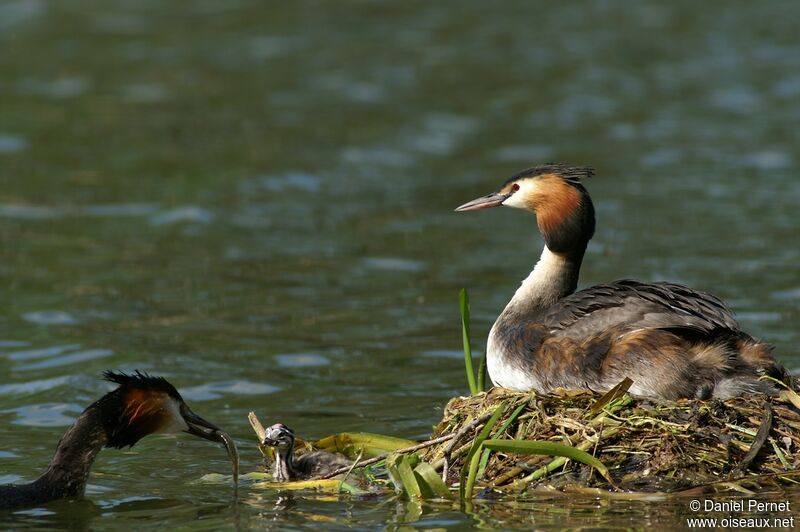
671, 340
310, 465
141, 405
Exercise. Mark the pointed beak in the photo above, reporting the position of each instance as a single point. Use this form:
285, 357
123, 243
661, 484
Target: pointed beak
484, 202
205, 429
200, 427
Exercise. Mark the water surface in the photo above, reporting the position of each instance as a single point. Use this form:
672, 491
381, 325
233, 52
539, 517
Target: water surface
255, 201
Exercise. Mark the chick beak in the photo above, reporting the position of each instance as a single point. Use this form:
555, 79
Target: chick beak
484, 202
200, 427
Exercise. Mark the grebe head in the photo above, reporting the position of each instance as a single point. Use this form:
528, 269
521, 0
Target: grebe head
564, 211
139, 406
143, 405
279, 436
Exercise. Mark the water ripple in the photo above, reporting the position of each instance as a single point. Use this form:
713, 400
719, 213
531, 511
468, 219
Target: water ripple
301, 360
19, 388
446, 353
45, 415
145, 93
788, 294
190, 213
50, 317
768, 160
72, 358
524, 153
440, 134
12, 143
215, 390
13, 343
289, 181
119, 209
46, 212
62, 88
29, 212
377, 155
17, 12
392, 264
32, 354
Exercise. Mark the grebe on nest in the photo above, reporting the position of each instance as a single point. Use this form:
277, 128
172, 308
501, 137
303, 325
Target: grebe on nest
310, 465
141, 405
671, 340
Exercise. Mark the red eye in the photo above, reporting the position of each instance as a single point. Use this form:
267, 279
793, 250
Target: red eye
514, 187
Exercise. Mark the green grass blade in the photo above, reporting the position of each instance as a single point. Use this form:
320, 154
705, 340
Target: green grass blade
468, 485
392, 469
431, 483
402, 475
414, 478
463, 302
549, 449
482, 463
472, 461
394, 474
482, 372
511, 418
486, 452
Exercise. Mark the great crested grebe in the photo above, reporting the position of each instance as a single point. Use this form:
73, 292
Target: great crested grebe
139, 406
671, 340
310, 465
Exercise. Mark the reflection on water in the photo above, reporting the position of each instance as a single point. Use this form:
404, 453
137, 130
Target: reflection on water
188, 214
215, 390
46, 415
301, 360
257, 204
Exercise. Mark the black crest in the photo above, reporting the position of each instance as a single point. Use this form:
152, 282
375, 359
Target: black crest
572, 174
141, 380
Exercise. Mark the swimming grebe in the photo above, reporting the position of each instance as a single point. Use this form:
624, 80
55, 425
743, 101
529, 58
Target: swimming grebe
671, 340
139, 406
310, 465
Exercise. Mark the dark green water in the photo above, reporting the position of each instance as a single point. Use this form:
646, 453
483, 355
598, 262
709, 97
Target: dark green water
255, 201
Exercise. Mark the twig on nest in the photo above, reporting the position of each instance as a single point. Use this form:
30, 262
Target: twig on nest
260, 432
443, 463
758, 442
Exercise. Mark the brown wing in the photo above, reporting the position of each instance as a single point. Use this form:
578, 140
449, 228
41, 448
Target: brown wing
628, 305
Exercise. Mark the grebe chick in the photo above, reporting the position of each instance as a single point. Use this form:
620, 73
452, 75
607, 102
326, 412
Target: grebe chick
139, 406
671, 340
310, 465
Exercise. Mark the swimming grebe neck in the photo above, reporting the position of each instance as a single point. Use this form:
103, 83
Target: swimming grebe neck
68, 471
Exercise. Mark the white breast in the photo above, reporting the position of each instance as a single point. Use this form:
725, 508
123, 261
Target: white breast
503, 373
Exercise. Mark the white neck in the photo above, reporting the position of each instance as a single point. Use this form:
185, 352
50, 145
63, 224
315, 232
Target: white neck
551, 279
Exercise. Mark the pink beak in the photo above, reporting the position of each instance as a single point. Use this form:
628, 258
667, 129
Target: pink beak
484, 202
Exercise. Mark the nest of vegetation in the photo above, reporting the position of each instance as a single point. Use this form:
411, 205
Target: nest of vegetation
739, 444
